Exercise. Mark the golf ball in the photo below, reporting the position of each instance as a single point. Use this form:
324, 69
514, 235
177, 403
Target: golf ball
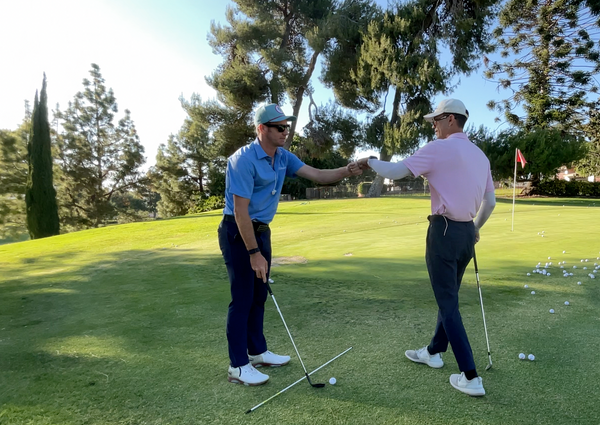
531, 357
332, 381
528, 274
532, 292
551, 311
526, 286
522, 356
579, 283
566, 302
271, 280
564, 252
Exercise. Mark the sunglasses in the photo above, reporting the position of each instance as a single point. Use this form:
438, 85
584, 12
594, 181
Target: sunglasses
441, 117
280, 128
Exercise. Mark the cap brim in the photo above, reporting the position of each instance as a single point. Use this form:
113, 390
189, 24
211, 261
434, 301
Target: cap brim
429, 117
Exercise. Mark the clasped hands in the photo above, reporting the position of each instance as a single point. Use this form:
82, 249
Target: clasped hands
357, 167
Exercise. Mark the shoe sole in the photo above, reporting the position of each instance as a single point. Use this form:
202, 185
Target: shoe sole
422, 362
237, 381
269, 364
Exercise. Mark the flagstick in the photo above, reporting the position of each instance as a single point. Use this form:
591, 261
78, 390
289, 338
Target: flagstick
512, 229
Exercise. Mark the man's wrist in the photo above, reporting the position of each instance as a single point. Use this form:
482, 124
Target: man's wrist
253, 251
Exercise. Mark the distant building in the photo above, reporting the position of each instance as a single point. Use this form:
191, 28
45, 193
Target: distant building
569, 174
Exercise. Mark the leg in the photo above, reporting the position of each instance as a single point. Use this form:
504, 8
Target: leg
256, 338
444, 249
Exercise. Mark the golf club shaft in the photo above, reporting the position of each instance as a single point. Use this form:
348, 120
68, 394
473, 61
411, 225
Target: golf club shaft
299, 380
487, 340
286, 327
288, 331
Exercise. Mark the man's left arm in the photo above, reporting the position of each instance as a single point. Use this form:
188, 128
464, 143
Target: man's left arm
325, 176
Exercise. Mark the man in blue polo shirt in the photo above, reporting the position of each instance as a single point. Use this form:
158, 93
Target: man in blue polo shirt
255, 175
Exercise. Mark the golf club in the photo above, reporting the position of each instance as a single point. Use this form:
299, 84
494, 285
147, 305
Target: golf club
290, 386
489, 366
293, 343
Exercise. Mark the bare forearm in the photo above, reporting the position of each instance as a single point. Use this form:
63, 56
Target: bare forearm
244, 223
331, 176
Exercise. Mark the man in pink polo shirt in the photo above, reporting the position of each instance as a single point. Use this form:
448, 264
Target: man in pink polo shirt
461, 190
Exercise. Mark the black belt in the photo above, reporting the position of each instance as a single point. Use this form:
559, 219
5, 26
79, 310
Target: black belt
258, 226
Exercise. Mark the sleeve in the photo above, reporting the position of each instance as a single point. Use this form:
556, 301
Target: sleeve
489, 186
293, 164
241, 177
389, 170
422, 162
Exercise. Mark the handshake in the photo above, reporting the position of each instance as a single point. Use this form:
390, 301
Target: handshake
357, 167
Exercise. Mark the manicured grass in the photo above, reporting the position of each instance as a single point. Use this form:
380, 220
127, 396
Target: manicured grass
125, 324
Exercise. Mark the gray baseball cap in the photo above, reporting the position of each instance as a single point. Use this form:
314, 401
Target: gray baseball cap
271, 113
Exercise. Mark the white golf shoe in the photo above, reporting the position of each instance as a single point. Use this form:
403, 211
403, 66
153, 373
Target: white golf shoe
246, 375
474, 387
422, 356
269, 359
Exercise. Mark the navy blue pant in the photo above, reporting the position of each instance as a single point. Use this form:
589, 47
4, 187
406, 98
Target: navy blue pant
248, 294
450, 247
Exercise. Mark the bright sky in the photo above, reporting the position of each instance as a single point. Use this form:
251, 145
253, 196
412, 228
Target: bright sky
150, 52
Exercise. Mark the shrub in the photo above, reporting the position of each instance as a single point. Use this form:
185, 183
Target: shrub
363, 187
567, 188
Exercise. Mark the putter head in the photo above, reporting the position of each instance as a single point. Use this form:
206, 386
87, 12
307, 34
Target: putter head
318, 385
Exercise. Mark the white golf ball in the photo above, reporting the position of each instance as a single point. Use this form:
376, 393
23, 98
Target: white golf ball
526, 286
593, 276
582, 261
586, 260
532, 292
551, 311
531, 357
574, 267
566, 302
549, 258
548, 274
528, 274
271, 280
522, 356
332, 381
564, 252
579, 283
585, 268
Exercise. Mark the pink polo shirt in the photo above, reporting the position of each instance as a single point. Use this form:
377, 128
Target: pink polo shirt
458, 173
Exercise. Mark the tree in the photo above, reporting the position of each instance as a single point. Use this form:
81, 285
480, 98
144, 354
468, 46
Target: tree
400, 54
271, 50
590, 164
13, 179
40, 195
546, 151
98, 158
553, 47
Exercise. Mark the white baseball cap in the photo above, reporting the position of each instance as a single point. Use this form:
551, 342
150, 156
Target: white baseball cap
448, 106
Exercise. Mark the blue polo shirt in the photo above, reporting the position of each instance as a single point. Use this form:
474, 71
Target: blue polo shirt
250, 175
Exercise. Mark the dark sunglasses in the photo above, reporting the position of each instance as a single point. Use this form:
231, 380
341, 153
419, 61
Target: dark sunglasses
441, 117
281, 128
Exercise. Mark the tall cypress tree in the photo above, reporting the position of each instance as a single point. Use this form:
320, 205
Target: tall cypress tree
40, 196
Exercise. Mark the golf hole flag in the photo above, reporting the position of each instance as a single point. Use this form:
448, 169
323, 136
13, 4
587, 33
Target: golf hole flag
518, 158
521, 158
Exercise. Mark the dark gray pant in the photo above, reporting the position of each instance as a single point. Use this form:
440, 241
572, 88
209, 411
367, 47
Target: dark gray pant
450, 247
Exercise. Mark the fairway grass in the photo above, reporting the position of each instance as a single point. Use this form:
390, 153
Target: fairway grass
126, 324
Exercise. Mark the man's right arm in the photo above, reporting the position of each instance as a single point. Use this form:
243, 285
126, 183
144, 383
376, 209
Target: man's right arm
244, 224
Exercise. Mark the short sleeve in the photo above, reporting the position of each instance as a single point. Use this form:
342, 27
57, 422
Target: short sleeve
421, 163
241, 177
293, 164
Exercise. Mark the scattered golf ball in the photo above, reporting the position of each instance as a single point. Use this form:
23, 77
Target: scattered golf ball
532, 292
522, 356
526, 286
548, 274
551, 311
566, 302
549, 258
579, 283
564, 252
271, 280
528, 274
332, 381
531, 357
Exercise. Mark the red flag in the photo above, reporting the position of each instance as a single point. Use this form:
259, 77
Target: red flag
521, 158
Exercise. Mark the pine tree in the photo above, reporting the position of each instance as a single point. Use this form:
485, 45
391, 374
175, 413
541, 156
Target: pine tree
554, 61
40, 196
98, 158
